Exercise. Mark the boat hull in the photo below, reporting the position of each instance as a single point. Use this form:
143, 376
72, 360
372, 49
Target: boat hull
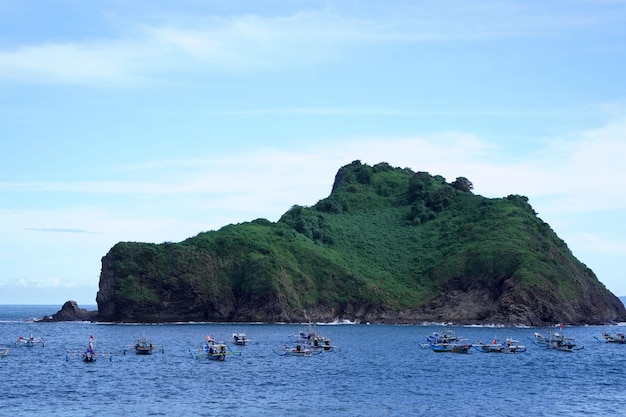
451, 348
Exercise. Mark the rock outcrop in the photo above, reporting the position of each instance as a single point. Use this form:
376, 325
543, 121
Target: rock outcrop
71, 312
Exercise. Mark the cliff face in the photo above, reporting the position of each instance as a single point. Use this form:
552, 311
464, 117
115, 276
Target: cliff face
388, 245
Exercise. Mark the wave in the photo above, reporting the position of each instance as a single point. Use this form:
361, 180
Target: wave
338, 322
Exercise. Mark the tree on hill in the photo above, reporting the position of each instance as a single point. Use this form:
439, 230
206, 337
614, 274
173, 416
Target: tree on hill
463, 184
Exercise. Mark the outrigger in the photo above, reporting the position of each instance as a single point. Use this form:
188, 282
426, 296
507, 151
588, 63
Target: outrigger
556, 340
313, 340
213, 351
30, 341
612, 338
299, 349
509, 346
90, 354
448, 342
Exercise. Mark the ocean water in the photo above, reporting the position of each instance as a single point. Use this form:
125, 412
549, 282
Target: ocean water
379, 370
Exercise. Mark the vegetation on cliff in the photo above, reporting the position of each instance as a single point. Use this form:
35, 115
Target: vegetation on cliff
388, 244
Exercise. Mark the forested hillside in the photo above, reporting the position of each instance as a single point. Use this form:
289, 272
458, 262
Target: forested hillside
387, 245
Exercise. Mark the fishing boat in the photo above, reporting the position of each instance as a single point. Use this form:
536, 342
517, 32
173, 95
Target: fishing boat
612, 338
323, 345
143, 347
298, 349
460, 347
29, 341
509, 346
90, 354
446, 342
313, 339
4, 352
213, 350
447, 336
555, 340
241, 339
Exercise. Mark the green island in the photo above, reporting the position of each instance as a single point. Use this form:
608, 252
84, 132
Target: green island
388, 245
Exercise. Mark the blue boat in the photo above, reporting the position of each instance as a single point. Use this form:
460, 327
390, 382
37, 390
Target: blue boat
90, 354
213, 351
446, 342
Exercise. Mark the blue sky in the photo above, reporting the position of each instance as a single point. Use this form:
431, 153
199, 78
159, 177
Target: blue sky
153, 121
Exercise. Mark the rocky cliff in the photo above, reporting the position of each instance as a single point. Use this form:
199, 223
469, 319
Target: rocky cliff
70, 311
388, 245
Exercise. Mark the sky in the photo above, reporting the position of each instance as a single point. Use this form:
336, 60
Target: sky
153, 120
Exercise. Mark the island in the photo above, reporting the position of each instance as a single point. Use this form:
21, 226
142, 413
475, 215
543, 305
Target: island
388, 245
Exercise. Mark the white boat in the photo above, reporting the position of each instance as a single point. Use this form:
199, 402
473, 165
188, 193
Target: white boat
612, 338
509, 346
556, 340
241, 339
29, 341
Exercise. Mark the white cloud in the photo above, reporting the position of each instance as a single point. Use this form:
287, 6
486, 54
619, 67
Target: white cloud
580, 175
38, 283
237, 44
599, 243
142, 52
77, 63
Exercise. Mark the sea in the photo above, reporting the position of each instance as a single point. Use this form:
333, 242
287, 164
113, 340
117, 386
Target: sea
376, 370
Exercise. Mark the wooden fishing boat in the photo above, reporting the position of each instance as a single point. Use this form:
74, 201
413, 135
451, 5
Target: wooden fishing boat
447, 336
213, 351
612, 338
241, 339
451, 347
30, 341
509, 346
143, 347
298, 349
446, 342
313, 339
324, 345
556, 340
90, 354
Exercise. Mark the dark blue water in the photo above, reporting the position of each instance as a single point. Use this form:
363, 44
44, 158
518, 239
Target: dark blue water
379, 371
